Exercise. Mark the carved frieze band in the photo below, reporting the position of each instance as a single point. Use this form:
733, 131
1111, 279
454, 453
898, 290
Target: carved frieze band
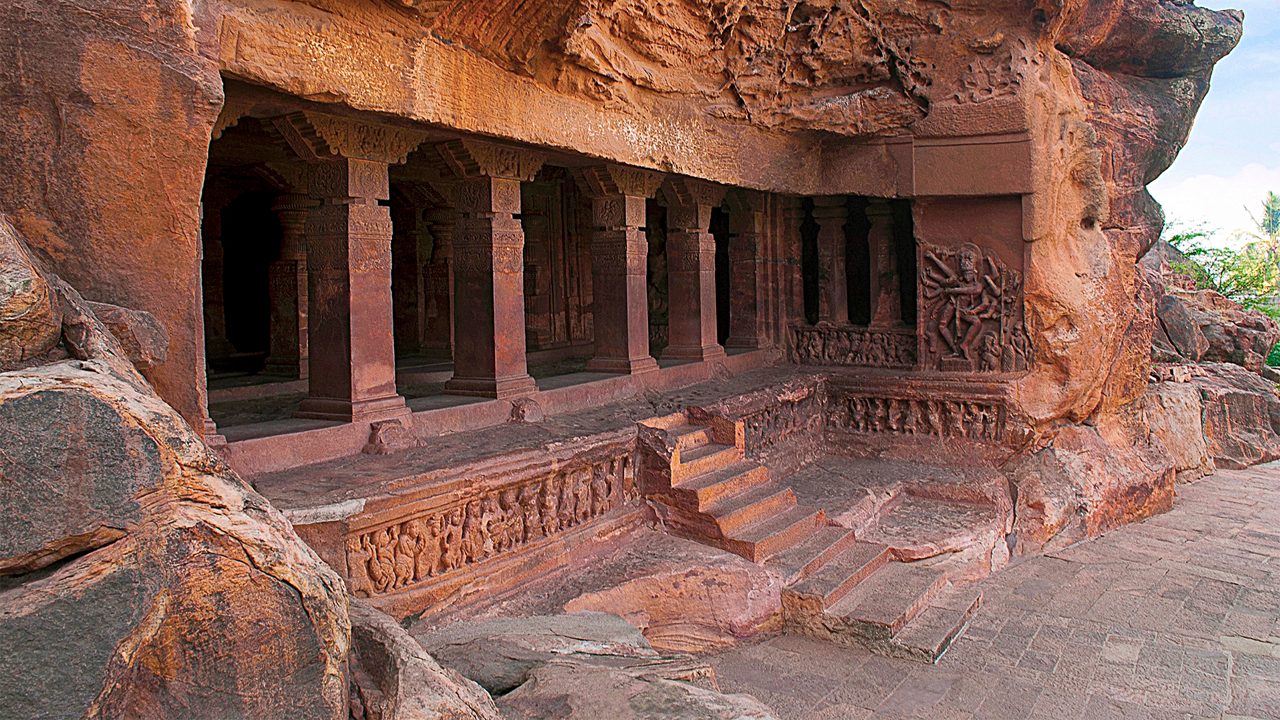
971, 310
985, 420
471, 158
796, 416
853, 346
490, 525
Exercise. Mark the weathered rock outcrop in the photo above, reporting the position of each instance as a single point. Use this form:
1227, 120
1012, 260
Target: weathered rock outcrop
583, 665
139, 576
1241, 415
393, 677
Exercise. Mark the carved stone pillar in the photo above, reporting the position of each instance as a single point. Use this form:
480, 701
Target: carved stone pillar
212, 266
886, 298
749, 277
352, 352
489, 349
406, 279
833, 298
288, 288
691, 272
792, 258
619, 266
438, 290
208, 428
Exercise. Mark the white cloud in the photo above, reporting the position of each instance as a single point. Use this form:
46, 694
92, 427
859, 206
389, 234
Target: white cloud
1218, 201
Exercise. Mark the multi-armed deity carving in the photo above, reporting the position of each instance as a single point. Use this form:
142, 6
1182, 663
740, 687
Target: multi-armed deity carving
487, 525
972, 312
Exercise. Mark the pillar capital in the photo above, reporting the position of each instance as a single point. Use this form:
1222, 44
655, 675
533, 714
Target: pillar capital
685, 191
612, 179
471, 158
318, 136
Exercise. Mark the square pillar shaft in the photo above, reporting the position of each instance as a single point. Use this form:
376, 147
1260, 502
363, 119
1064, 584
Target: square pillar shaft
748, 278
619, 266
691, 284
287, 279
352, 352
488, 299
833, 298
438, 289
886, 297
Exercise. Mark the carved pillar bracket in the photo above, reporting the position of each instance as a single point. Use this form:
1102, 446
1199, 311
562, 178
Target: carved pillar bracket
488, 273
691, 271
831, 214
351, 360
619, 266
886, 293
749, 281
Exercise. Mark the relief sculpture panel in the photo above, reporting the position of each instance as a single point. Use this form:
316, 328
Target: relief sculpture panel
982, 420
487, 525
971, 312
854, 346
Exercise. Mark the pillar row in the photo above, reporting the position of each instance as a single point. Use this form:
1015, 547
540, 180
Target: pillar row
886, 293
287, 278
749, 280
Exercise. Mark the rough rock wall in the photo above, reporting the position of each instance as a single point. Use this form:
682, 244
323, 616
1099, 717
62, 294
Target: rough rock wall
103, 142
139, 576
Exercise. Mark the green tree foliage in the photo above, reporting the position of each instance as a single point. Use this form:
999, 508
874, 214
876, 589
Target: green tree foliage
1247, 275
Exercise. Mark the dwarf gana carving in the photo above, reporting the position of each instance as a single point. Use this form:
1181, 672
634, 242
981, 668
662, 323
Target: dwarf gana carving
981, 420
971, 307
486, 526
844, 345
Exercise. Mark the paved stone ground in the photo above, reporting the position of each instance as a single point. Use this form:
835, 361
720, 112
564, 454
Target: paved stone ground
1174, 617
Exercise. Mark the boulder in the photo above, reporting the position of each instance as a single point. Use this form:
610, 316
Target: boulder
1080, 484
393, 677
1204, 326
139, 576
695, 608
30, 322
1173, 412
560, 691
143, 339
1241, 415
500, 653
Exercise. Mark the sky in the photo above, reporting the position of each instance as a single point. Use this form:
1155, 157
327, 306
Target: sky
1233, 156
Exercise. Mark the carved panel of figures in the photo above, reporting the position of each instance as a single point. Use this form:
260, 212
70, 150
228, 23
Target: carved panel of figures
494, 523
971, 312
973, 419
790, 419
853, 346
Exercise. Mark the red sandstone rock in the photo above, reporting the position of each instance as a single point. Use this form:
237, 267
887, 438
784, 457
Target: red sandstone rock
1174, 410
166, 588
1082, 484
694, 609
1204, 326
30, 322
1241, 415
141, 336
393, 678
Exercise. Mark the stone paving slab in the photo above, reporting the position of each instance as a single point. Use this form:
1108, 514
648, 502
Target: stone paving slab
1174, 617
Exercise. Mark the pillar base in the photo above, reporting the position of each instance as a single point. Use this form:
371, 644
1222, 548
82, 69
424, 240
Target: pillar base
701, 354
211, 436
637, 366
496, 388
748, 343
385, 408
296, 369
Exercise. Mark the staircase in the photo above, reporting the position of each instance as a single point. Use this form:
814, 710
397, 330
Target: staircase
837, 587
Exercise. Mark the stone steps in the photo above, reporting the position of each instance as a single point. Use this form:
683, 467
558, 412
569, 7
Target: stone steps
771, 536
736, 512
703, 459
803, 559
836, 578
700, 492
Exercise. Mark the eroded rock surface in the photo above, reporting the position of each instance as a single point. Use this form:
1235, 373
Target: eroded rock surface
139, 576
393, 677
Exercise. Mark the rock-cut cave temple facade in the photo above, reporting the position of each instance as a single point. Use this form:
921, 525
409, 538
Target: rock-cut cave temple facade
472, 289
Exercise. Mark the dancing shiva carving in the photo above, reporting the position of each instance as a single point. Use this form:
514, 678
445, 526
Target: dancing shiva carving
972, 312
